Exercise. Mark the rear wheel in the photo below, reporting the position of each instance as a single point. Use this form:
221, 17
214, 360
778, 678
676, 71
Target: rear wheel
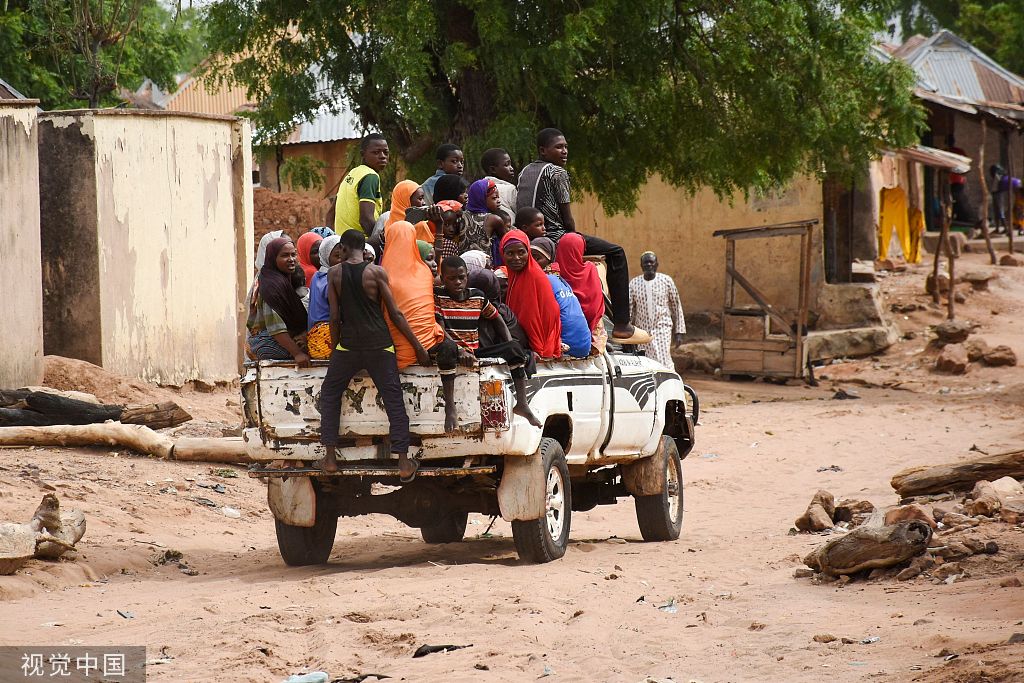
545, 539
450, 529
301, 546
660, 516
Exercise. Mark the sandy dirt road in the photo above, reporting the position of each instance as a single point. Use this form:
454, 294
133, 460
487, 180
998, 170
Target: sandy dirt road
739, 613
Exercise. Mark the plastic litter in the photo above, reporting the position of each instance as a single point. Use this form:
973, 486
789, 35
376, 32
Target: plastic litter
869, 640
311, 677
230, 512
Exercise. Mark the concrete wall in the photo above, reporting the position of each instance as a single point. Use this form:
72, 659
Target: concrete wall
21, 335
678, 228
147, 219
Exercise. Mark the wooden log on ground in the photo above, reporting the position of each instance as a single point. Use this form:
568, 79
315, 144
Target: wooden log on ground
871, 548
226, 450
69, 411
959, 476
22, 417
134, 437
156, 415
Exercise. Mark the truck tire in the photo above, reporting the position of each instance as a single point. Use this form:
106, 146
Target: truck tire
301, 546
661, 516
545, 539
450, 529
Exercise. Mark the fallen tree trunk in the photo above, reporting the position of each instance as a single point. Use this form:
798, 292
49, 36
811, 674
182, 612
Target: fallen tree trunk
960, 476
156, 415
135, 437
226, 450
871, 548
41, 408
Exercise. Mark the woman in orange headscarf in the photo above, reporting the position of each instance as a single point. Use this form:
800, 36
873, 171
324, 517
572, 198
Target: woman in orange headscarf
530, 296
408, 194
412, 285
305, 246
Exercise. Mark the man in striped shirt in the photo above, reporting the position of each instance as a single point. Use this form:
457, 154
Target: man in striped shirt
460, 309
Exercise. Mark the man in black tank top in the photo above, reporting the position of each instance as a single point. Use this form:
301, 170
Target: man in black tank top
361, 341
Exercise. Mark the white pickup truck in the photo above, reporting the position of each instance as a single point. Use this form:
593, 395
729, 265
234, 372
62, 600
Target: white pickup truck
614, 425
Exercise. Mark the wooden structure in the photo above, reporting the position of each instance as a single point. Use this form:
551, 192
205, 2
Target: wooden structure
760, 340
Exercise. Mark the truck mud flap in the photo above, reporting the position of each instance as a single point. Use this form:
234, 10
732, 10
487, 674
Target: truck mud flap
646, 477
522, 490
292, 500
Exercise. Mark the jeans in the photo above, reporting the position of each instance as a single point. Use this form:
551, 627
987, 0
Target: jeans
446, 355
618, 274
511, 352
383, 370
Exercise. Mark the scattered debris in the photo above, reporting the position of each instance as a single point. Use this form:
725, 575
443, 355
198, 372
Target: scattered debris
830, 468
125, 614
48, 535
845, 395
311, 677
424, 650
824, 638
669, 606
230, 512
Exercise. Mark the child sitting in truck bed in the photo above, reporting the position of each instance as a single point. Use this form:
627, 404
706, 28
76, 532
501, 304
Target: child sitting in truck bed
459, 309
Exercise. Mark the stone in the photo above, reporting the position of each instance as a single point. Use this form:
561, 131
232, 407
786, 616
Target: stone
929, 283
1010, 582
1012, 513
979, 279
956, 519
957, 243
1008, 488
985, 500
848, 508
851, 343
976, 349
818, 516
952, 332
1011, 260
802, 573
905, 513
941, 509
947, 570
1000, 356
703, 356
919, 564
824, 638
954, 550
848, 305
952, 359
974, 544
959, 296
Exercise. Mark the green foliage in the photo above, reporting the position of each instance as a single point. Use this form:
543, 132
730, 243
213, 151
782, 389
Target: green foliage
303, 172
735, 96
73, 53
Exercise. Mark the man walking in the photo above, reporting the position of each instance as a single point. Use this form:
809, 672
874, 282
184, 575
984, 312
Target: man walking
655, 305
544, 185
356, 290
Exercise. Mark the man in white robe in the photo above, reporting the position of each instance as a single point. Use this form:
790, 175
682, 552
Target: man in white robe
655, 306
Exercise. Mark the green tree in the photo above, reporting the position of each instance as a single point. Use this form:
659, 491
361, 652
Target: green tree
303, 172
72, 53
730, 95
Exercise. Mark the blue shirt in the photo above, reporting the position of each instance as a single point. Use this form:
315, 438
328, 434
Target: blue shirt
319, 305
428, 185
575, 331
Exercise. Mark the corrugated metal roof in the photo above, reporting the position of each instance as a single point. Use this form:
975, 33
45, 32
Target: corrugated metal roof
959, 70
8, 92
335, 120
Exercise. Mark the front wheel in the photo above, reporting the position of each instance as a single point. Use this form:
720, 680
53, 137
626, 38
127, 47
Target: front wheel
450, 529
660, 516
545, 539
301, 546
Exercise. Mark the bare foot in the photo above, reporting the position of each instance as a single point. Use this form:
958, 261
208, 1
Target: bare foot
450, 421
407, 468
329, 462
524, 411
623, 331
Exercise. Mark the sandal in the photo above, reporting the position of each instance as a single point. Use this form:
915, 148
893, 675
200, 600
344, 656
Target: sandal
638, 337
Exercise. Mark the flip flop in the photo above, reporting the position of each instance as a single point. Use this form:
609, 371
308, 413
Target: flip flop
416, 468
639, 337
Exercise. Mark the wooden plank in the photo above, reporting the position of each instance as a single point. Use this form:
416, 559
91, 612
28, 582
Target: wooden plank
730, 262
736, 327
760, 299
742, 362
774, 230
782, 363
775, 345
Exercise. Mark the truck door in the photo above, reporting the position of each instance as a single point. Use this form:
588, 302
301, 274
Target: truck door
634, 405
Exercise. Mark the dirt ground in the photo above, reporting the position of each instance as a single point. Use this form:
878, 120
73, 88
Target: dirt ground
739, 614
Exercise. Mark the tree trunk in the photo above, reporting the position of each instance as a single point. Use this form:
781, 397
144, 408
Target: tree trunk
474, 87
227, 450
984, 194
961, 476
135, 437
871, 548
944, 244
40, 408
156, 415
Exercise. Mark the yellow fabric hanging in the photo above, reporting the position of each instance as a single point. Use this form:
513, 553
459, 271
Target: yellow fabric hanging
893, 218
916, 235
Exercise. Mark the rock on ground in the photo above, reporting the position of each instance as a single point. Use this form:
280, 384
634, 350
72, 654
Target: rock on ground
905, 513
952, 359
818, 516
1011, 260
1000, 356
952, 332
985, 499
976, 349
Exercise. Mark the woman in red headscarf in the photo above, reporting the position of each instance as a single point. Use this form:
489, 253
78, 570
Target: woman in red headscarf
530, 296
305, 245
582, 276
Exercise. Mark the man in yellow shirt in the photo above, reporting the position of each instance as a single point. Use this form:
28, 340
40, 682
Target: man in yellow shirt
359, 197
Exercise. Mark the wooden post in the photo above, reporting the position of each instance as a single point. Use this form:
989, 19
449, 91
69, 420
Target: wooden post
947, 218
730, 263
984, 193
1010, 194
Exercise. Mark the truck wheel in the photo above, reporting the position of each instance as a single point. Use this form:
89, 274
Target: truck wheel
301, 546
661, 516
545, 539
450, 529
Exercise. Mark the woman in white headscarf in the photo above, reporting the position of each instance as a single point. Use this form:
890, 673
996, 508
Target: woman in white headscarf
318, 339
475, 260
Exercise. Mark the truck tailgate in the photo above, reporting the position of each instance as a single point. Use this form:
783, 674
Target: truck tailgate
289, 402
